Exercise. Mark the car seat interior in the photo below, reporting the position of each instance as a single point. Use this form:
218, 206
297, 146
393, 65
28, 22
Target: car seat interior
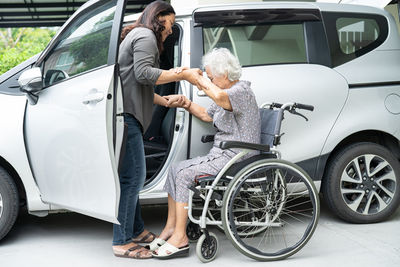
158, 136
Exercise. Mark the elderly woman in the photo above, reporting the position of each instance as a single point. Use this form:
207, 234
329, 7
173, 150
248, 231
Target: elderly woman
235, 115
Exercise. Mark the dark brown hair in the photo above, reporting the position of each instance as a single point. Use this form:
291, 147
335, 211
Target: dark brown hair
150, 19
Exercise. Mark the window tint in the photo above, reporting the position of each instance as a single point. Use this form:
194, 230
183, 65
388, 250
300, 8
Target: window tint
356, 33
259, 44
351, 35
82, 47
393, 9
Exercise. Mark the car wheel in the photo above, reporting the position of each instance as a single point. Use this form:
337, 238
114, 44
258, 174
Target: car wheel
9, 203
362, 183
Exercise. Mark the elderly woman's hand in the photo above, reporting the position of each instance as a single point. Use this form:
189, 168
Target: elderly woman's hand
203, 83
179, 69
192, 75
174, 101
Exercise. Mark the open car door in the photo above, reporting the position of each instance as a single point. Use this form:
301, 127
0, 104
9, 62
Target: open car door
71, 127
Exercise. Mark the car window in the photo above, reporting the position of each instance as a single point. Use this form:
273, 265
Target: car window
393, 9
356, 33
259, 44
351, 35
84, 45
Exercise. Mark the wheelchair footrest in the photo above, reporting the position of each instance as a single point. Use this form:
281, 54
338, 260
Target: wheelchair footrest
196, 191
216, 196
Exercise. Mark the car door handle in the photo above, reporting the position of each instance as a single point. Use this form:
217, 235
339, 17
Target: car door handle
93, 97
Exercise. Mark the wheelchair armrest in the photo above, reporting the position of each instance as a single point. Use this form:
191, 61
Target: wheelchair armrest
207, 138
237, 144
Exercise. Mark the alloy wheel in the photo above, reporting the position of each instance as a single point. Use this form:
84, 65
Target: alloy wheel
368, 184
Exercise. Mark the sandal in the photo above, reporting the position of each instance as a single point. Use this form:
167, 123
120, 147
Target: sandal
168, 251
137, 255
145, 239
157, 242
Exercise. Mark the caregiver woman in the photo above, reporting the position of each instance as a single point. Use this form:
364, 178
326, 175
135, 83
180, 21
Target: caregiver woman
139, 52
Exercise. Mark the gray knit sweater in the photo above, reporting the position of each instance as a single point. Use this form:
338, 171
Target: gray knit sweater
139, 69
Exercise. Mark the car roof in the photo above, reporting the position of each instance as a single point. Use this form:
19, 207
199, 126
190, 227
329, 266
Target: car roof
334, 7
322, 6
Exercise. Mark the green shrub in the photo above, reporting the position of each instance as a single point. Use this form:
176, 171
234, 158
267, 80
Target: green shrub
19, 44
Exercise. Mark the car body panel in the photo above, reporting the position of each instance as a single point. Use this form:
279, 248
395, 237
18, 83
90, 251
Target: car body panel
67, 141
70, 130
360, 71
349, 7
360, 106
303, 86
15, 154
374, 3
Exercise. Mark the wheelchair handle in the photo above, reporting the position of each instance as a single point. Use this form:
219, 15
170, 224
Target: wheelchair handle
289, 106
303, 106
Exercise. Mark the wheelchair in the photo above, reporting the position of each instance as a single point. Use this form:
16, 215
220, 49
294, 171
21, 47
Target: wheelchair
268, 207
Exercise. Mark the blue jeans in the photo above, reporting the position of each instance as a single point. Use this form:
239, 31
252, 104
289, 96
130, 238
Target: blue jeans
131, 178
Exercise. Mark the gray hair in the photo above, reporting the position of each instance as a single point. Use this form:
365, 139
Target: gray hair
221, 61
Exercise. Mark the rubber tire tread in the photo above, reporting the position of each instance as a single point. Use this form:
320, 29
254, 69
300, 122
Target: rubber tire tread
225, 221
9, 193
330, 186
200, 244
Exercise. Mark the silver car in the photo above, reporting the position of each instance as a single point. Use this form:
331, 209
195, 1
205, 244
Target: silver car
61, 131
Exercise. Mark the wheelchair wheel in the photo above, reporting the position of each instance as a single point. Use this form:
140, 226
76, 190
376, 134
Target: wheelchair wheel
275, 199
207, 248
193, 231
214, 214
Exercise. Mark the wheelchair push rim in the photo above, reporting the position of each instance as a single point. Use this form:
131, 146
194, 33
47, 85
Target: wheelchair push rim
281, 199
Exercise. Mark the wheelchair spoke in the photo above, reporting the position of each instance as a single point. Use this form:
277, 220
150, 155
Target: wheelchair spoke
270, 210
301, 212
297, 204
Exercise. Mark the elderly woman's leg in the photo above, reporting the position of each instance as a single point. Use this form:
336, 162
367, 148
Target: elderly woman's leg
171, 220
184, 177
179, 237
170, 188
179, 179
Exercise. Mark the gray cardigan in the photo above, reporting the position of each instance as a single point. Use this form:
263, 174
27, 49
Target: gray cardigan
139, 69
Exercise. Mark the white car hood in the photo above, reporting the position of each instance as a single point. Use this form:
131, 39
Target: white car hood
374, 3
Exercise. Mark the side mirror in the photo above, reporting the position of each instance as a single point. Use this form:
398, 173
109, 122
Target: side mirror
30, 80
53, 76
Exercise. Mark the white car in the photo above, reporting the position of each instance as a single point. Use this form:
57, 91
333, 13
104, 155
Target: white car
61, 134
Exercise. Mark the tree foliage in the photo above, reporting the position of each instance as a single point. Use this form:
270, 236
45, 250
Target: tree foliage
19, 44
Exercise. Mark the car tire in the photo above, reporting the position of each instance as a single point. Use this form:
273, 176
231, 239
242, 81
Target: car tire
9, 203
362, 183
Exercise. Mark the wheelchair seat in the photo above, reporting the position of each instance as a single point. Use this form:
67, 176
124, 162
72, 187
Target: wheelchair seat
233, 170
269, 126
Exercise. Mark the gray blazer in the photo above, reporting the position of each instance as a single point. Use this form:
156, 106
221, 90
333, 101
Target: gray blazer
139, 63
